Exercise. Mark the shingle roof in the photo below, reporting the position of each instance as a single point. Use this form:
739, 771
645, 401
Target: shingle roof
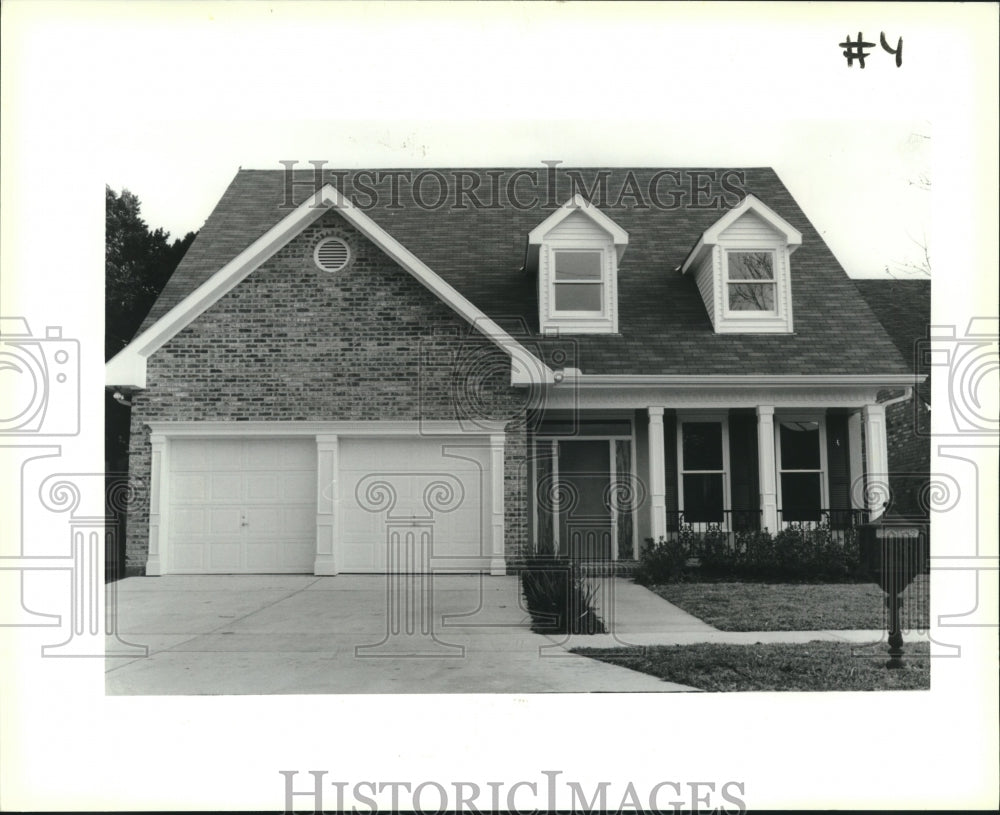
664, 326
904, 309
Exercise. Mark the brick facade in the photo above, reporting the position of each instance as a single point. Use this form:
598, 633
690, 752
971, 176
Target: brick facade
907, 431
293, 343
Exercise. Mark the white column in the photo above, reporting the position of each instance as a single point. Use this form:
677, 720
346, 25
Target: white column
876, 460
766, 474
657, 481
856, 461
159, 468
498, 563
327, 504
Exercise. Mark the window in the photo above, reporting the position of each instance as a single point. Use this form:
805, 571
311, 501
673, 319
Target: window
750, 281
703, 471
801, 469
578, 281
575, 252
742, 268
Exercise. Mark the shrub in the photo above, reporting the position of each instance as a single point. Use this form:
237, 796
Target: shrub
664, 561
559, 597
715, 555
793, 553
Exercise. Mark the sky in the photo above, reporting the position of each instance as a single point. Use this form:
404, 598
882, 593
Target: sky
170, 99
862, 187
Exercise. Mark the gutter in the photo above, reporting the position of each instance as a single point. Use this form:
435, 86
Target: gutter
572, 376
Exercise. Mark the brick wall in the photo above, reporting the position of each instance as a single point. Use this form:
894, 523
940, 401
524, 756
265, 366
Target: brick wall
294, 343
909, 455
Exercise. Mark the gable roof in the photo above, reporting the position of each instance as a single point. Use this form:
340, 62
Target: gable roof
579, 204
664, 328
904, 309
750, 204
128, 367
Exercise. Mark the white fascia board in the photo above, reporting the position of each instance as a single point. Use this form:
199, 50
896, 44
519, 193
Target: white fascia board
710, 237
693, 255
580, 204
730, 380
753, 204
128, 367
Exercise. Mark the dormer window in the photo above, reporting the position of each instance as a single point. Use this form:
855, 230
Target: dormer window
750, 283
742, 269
575, 253
578, 282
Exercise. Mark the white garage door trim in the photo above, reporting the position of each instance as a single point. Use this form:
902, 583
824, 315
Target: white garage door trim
327, 437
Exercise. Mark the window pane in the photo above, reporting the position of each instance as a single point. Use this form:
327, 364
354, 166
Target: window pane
751, 266
751, 297
702, 446
800, 497
799, 445
578, 265
703, 498
578, 296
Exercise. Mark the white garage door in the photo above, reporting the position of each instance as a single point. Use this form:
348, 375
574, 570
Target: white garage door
242, 505
413, 504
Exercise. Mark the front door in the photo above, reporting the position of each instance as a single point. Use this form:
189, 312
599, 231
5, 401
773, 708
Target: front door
585, 517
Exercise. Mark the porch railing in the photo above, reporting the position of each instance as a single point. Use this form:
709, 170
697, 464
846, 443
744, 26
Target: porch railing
830, 519
730, 524
730, 520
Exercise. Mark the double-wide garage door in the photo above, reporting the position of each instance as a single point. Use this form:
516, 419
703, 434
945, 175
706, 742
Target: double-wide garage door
404, 504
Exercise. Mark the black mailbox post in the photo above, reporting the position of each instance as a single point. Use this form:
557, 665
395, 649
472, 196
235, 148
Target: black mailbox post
893, 552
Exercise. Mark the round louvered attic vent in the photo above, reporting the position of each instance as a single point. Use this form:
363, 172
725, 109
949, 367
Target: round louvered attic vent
332, 254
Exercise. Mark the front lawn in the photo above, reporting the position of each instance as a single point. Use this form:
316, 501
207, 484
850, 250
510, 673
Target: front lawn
749, 606
814, 666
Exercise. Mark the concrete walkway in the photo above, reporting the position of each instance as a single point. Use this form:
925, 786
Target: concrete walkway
635, 616
298, 634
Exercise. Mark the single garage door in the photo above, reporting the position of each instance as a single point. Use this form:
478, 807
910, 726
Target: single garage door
242, 505
413, 504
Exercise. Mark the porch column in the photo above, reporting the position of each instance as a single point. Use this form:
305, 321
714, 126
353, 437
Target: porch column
766, 467
876, 460
657, 483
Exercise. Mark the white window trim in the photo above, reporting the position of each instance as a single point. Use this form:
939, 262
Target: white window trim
600, 313
736, 314
824, 481
604, 321
699, 418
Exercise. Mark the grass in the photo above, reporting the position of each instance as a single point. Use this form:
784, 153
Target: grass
795, 606
814, 666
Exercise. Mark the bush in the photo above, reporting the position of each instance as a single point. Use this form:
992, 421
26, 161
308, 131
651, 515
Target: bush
559, 597
798, 554
664, 561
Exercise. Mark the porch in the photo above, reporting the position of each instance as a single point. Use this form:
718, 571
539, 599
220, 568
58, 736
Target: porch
605, 481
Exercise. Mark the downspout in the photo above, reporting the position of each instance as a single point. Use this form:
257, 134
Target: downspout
905, 397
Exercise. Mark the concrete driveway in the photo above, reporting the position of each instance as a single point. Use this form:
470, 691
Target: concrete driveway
273, 634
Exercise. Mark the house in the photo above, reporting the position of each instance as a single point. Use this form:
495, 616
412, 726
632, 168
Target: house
424, 370
904, 309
